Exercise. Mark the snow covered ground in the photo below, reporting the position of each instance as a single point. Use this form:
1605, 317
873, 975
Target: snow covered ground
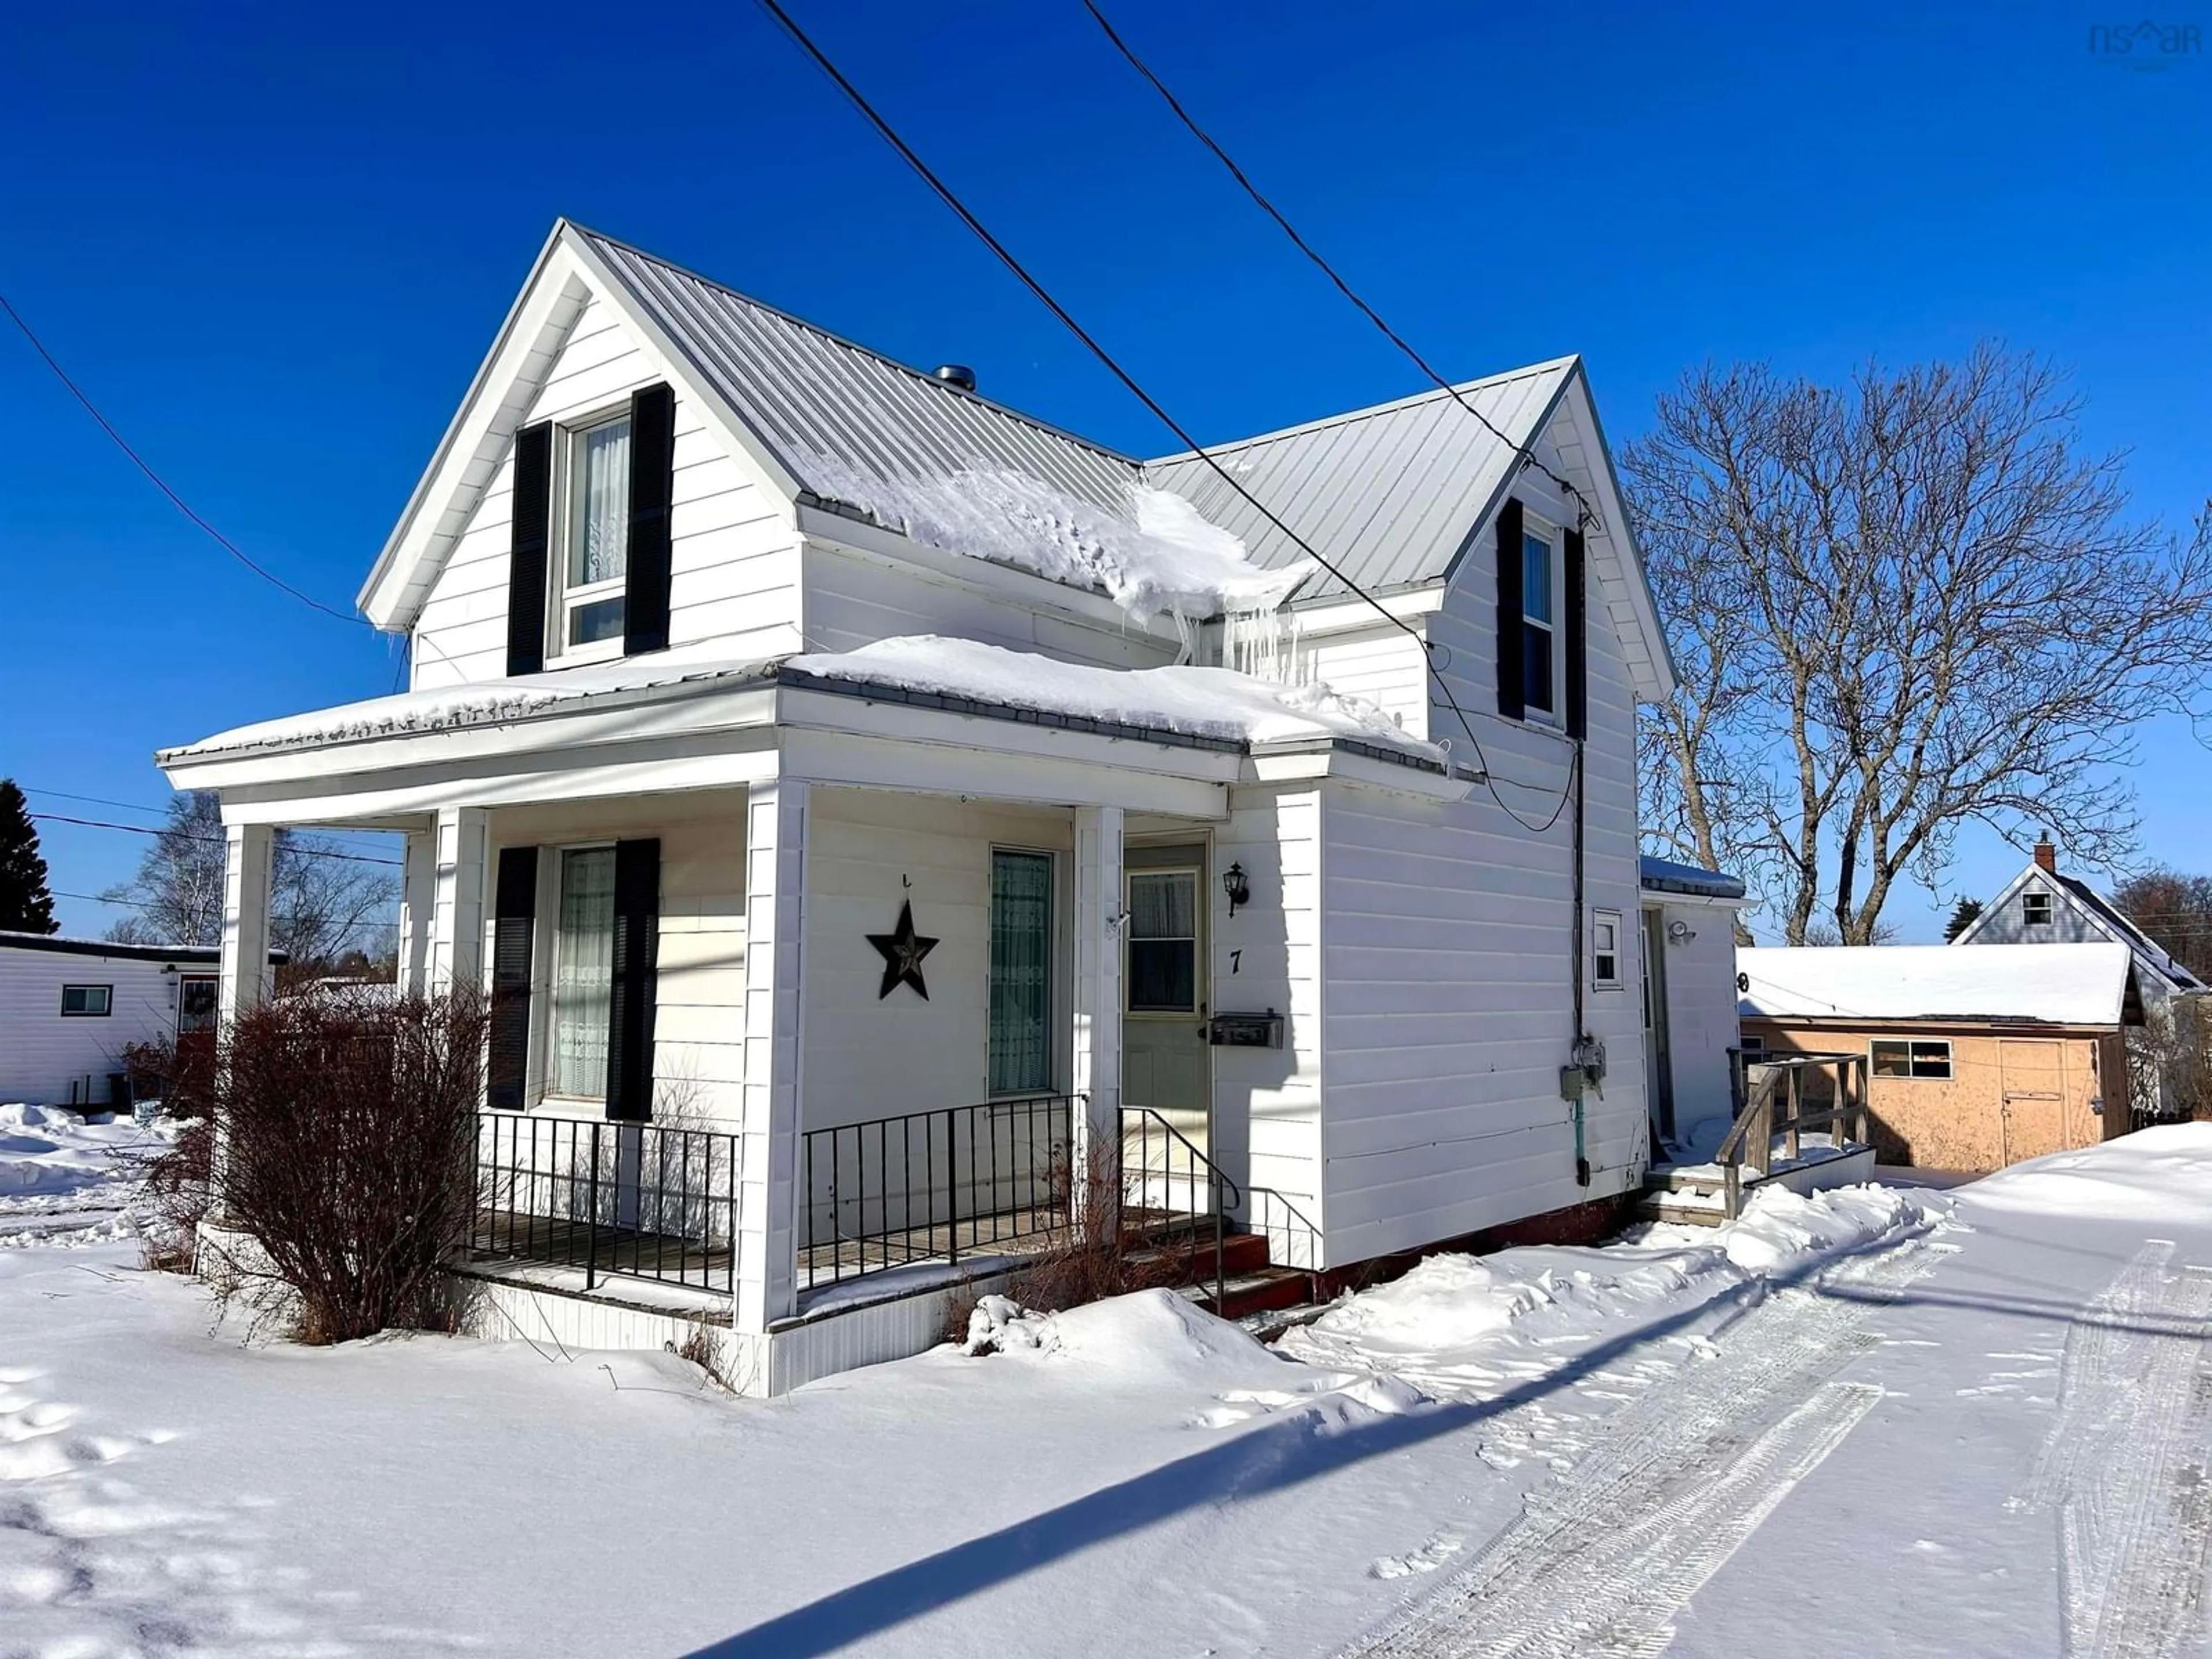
1874, 1421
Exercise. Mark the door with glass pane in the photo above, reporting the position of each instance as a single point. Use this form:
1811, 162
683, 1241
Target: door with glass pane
1166, 1063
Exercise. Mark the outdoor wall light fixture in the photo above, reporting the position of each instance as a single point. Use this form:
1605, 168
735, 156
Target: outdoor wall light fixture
1234, 883
1680, 933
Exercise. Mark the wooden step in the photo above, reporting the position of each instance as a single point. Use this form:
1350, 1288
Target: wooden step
1263, 1291
1664, 1206
1191, 1259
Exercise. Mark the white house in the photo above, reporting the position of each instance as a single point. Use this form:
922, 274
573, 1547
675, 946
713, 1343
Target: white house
68, 1007
2043, 905
869, 804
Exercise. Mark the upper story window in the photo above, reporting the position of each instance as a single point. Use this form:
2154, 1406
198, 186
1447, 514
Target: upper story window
1539, 623
595, 558
2035, 908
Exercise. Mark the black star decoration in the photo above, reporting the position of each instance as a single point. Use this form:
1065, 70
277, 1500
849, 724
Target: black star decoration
903, 954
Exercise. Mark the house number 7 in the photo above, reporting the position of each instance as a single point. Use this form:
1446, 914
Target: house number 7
1236, 961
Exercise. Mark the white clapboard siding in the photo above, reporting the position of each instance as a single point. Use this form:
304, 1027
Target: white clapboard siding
852, 600
1448, 933
734, 562
1268, 1104
1382, 664
43, 1054
867, 1055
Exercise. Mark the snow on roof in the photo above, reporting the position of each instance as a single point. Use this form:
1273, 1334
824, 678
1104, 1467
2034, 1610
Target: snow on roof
1152, 553
2050, 984
1665, 876
1202, 703
1216, 703
480, 702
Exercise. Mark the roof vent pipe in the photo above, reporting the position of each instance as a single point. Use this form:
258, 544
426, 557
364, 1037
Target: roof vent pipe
958, 375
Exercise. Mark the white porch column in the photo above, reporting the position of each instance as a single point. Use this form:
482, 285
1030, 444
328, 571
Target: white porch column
248, 864
775, 917
457, 929
418, 909
1096, 1038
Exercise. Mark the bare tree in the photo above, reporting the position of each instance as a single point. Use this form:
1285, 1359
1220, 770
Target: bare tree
1898, 607
2175, 910
323, 903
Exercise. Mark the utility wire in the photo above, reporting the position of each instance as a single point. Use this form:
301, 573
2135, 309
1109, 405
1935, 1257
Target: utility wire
135, 904
960, 209
209, 840
1524, 453
156, 478
163, 811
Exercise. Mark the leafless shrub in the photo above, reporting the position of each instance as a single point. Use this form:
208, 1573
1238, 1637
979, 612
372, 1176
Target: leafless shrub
178, 1071
348, 1157
173, 1199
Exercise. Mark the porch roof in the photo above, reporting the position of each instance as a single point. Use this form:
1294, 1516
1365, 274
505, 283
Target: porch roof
1203, 715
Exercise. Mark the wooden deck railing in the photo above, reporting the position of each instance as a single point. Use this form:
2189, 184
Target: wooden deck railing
1773, 1102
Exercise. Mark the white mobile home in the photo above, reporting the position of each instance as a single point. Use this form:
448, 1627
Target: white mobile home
873, 808
68, 1007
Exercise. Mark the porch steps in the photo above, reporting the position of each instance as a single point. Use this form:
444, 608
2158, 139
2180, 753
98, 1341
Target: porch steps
1689, 1197
1253, 1284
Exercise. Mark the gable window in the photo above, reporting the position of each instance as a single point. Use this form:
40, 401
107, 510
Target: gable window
1539, 623
2035, 907
1163, 967
1605, 950
1021, 972
594, 561
1915, 1060
95, 1001
583, 974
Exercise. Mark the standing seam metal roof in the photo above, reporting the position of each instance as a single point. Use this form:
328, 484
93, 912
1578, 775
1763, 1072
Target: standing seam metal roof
1387, 494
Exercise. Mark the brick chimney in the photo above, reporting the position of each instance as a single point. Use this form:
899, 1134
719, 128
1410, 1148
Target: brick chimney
2047, 855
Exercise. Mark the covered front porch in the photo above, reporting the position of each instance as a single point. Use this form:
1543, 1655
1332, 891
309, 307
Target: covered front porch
803, 990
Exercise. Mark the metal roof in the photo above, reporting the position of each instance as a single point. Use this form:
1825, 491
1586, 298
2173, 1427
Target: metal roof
1665, 876
1388, 495
806, 393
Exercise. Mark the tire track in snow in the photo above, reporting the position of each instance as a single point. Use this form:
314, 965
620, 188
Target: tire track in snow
1600, 1562
2126, 1467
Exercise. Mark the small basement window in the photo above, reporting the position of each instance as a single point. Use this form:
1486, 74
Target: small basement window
2035, 908
1916, 1059
95, 1001
1605, 950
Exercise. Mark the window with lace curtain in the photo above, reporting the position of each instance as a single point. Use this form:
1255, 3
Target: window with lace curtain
594, 561
1162, 973
583, 974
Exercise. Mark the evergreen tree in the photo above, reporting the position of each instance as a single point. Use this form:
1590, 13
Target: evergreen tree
1962, 918
26, 906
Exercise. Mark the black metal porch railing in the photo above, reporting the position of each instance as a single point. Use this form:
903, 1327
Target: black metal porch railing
934, 1186
639, 1199
1171, 1191
1293, 1241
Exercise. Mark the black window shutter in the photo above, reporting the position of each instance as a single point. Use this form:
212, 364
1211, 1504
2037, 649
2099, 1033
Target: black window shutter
651, 479
1512, 693
525, 572
515, 913
636, 959
1578, 625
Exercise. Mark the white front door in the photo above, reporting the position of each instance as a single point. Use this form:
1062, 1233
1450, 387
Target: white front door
1166, 1062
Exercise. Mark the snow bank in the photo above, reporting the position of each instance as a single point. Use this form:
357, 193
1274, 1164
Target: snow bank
1200, 703
1458, 1327
1160, 557
70, 1180
2161, 1175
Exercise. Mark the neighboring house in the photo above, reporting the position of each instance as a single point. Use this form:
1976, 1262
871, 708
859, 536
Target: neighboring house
68, 1007
1978, 1056
1689, 997
867, 802
2042, 905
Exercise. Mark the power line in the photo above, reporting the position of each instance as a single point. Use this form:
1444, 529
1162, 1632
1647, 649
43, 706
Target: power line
210, 840
138, 905
1524, 453
156, 478
945, 194
162, 811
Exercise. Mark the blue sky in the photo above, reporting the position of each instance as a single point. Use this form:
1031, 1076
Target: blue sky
274, 243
